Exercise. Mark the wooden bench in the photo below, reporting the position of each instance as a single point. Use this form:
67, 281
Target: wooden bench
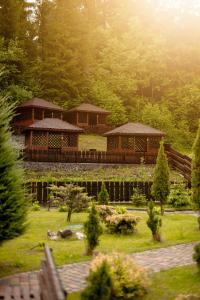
50, 286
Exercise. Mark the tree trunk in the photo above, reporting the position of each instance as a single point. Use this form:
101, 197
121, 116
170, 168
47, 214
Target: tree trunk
69, 215
157, 237
162, 208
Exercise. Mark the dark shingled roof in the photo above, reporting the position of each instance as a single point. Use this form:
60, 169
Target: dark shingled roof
89, 108
134, 129
53, 124
37, 102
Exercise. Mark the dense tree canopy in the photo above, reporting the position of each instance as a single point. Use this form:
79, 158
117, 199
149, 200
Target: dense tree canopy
139, 59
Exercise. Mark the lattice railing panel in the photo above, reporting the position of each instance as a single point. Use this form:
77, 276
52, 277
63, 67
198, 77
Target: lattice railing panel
128, 143
140, 144
39, 139
54, 140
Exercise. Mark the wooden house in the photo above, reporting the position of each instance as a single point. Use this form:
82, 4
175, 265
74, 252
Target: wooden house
139, 139
34, 110
90, 117
52, 134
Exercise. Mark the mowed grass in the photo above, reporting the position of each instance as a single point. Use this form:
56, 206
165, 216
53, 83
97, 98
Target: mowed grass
24, 253
167, 285
91, 141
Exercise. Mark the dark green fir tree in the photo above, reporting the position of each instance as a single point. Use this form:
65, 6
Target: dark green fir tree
196, 173
93, 230
13, 207
99, 284
161, 183
103, 196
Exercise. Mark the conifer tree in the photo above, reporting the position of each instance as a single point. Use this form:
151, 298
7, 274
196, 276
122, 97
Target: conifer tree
196, 173
103, 196
13, 206
93, 230
161, 183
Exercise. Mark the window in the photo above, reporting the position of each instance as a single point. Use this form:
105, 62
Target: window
102, 119
82, 117
54, 140
140, 144
69, 140
113, 142
128, 142
39, 138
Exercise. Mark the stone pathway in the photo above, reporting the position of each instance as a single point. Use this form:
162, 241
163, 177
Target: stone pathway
73, 275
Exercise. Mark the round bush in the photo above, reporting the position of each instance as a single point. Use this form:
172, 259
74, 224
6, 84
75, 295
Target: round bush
124, 223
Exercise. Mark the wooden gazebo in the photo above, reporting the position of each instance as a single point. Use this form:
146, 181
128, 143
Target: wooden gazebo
52, 134
136, 138
88, 116
34, 110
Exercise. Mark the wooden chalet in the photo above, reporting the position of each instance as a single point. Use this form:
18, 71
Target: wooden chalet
34, 110
136, 138
88, 116
51, 134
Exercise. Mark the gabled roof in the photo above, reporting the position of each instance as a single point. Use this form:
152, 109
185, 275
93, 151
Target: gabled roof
134, 129
41, 103
53, 124
86, 107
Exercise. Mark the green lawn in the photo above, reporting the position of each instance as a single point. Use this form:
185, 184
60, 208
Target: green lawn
91, 141
17, 255
166, 285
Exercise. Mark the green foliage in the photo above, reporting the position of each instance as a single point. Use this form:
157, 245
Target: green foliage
161, 184
196, 171
93, 230
123, 278
13, 206
122, 223
62, 208
105, 211
120, 210
103, 196
179, 196
100, 284
70, 195
138, 198
154, 221
35, 206
196, 255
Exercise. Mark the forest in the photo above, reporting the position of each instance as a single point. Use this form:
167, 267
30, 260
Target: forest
138, 59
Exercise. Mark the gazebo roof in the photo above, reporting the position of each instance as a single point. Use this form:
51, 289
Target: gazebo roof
53, 124
41, 103
86, 107
135, 129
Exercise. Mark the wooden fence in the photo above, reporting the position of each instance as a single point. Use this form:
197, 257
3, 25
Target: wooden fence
119, 192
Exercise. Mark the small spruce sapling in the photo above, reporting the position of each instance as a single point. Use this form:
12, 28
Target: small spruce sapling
161, 183
100, 284
196, 255
196, 173
103, 196
92, 230
154, 221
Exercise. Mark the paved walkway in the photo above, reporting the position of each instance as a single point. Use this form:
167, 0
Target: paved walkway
73, 275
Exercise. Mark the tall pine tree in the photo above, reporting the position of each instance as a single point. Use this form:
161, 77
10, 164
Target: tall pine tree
196, 172
13, 207
161, 184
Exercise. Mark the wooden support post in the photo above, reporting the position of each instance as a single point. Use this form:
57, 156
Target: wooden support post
33, 115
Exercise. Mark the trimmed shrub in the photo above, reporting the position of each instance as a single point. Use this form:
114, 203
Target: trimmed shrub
105, 211
103, 196
62, 208
36, 206
92, 230
179, 196
99, 284
124, 279
196, 255
120, 210
154, 221
124, 223
138, 198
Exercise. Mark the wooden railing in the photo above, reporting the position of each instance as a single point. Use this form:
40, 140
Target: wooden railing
87, 156
181, 163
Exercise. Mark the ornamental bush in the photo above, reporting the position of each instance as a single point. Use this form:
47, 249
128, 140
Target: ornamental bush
105, 211
92, 230
196, 255
122, 223
138, 198
123, 278
154, 221
103, 196
179, 196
